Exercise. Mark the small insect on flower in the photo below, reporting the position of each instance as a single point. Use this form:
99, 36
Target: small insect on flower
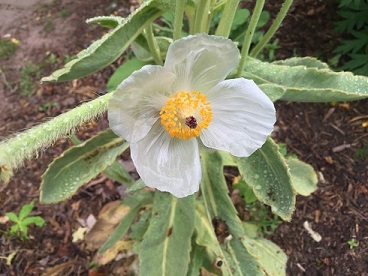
168, 112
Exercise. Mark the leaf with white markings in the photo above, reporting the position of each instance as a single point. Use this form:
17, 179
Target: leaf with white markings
305, 80
166, 245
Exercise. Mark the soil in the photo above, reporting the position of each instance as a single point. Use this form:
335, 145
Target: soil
327, 136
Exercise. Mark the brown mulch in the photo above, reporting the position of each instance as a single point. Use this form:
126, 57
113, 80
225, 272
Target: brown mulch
326, 136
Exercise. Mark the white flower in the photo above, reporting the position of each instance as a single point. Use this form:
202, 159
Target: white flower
164, 111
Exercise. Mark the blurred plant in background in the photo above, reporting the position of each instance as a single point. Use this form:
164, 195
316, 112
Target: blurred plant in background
353, 24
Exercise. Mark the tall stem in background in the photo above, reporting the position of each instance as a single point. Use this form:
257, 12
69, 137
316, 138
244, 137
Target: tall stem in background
152, 45
272, 30
178, 19
201, 17
227, 18
249, 35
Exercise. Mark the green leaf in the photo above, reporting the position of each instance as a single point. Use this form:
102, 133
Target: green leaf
26, 210
240, 17
134, 202
245, 191
118, 173
166, 246
305, 84
266, 171
139, 228
106, 50
78, 165
206, 238
110, 22
303, 177
12, 216
196, 260
269, 255
141, 49
219, 206
33, 220
309, 62
14, 229
124, 71
138, 185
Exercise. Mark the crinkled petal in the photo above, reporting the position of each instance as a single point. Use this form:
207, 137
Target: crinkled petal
201, 61
134, 107
243, 117
166, 163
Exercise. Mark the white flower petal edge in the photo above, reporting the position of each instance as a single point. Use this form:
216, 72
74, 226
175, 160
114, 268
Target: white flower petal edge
167, 164
201, 61
243, 117
132, 109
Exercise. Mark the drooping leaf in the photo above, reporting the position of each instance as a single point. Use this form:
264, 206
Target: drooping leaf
106, 50
79, 164
166, 246
305, 84
266, 171
303, 177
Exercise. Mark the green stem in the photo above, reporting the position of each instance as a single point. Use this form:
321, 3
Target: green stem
201, 17
14, 151
227, 18
152, 45
249, 35
272, 30
178, 19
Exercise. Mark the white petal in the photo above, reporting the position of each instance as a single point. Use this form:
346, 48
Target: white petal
201, 61
166, 163
135, 104
243, 117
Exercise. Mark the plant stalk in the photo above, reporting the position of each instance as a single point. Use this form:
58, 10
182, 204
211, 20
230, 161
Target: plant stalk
249, 35
272, 30
178, 19
227, 18
14, 151
152, 45
201, 17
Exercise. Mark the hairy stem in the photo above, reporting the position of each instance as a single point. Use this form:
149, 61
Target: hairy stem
272, 30
14, 151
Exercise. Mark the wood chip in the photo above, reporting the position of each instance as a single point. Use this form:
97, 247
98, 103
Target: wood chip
315, 236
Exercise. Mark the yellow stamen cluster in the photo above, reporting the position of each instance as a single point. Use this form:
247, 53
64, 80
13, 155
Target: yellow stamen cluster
185, 114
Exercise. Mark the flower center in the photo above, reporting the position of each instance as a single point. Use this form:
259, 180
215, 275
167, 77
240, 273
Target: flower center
185, 114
